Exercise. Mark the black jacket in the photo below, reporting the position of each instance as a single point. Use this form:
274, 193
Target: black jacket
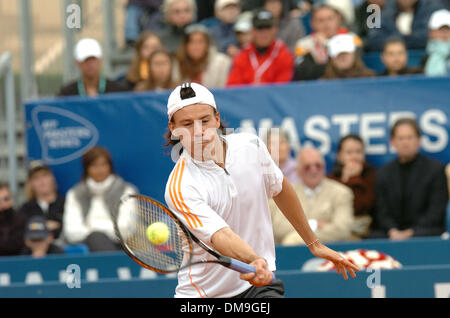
12, 229
55, 211
422, 206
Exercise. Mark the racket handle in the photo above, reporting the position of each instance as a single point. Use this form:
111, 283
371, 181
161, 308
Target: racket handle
244, 267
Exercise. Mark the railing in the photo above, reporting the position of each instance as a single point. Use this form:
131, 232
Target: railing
6, 73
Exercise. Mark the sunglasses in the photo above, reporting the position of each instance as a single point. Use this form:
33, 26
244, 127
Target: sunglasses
311, 166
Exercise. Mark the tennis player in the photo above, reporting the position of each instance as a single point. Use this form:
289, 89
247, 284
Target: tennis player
219, 188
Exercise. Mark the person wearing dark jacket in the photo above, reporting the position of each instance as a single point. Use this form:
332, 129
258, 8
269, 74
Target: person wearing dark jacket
38, 239
406, 19
12, 225
43, 198
88, 57
411, 191
138, 12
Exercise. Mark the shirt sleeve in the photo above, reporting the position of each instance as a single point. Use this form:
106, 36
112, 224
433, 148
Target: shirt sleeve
273, 177
192, 209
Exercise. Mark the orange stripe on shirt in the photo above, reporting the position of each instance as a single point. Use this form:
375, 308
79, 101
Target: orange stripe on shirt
181, 196
177, 195
171, 190
195, 286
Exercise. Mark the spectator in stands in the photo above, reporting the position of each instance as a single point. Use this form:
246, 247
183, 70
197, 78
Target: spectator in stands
279, 149
221, 25
91, 203
243, 31
352, 170
198, 61
311, 53
411, 191
160, 73
363, 15
43, 198
148, 43
12, 225
137, 12
39, 239
266, 59
407, 19
88, 57
346, 9
438, 46
177, 15
290, 30
344, 61
328, 204
395, 58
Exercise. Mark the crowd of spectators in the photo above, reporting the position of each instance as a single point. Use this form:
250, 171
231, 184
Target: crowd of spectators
225, 43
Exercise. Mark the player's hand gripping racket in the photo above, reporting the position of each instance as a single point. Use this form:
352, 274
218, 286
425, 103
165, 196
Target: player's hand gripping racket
154, 238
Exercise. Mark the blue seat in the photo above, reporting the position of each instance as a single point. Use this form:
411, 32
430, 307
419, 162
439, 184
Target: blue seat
76, 249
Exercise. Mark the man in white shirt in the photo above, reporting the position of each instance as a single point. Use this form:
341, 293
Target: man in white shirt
219, 188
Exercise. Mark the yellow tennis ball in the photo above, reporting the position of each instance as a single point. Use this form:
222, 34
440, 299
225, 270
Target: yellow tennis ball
158, 233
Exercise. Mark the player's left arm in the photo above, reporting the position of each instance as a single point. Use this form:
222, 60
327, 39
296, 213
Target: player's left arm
289, 204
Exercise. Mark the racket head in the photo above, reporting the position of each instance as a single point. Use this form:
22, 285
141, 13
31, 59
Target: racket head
135, 214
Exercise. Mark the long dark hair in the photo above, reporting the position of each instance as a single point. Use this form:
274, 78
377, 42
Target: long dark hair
337, 168
150, 84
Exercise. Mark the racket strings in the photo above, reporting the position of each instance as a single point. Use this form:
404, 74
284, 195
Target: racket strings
166, 257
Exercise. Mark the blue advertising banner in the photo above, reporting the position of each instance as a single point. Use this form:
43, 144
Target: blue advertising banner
132, 125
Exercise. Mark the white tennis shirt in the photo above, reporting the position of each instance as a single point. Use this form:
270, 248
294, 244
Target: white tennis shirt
207, 198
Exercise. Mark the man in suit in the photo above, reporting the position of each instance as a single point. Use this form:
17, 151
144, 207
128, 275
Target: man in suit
328, 204
411, 191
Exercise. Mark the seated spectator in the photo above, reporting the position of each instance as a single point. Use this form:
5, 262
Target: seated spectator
177, 15
266, 59
344, 61
395, 58
137, 11
438, 46
39, 239
88, 57
90, 203
160, 73
406, 19
290, 30
12, 225
243, 31
148, 43
411, 191
43, 198
279, 149
221, 25
352, 170
328, 204
198, 61
311, 52
363, 15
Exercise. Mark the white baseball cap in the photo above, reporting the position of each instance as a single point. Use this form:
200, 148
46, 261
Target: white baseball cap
202, 96
86, 48
341, 43
220, 4
439, 19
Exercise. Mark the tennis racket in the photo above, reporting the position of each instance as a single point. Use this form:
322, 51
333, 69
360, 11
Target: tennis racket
137, 213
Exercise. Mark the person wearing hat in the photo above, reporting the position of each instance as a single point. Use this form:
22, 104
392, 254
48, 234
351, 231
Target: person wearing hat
198, 60
12, 224
43, 197
311, 52
88, 57
219, 188
242, 29
266, 60
344, 61
38, 239
438, 46
221, 25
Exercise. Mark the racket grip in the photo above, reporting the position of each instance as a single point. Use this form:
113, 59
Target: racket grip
244, 267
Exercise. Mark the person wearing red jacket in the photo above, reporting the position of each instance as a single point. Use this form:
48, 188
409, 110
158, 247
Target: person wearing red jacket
266, 60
